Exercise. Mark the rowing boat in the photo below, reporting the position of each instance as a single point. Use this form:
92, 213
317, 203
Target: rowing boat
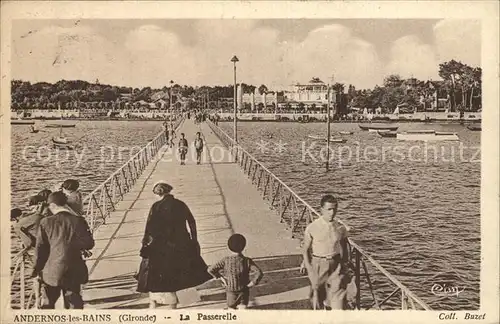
428, 136
332, 139
474, 127
387, 133
377, 127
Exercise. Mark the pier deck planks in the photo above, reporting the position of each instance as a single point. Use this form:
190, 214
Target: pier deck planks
223, 201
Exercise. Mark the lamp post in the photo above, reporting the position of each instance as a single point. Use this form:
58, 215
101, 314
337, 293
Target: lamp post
170, 107
235, 134
330, 97
328, 128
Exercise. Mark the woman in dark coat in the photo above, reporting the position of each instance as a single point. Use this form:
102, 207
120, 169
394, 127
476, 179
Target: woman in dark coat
171, 253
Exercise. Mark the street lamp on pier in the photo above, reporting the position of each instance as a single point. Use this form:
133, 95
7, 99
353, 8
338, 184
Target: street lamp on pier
235, 134
170, 107
171, 85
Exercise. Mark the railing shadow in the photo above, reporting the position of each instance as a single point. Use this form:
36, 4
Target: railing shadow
99, 205
281, 274
296, 214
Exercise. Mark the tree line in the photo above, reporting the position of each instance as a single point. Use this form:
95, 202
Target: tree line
460, 88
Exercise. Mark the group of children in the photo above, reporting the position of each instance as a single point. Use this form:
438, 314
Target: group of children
183, 148
183, 144
26, 223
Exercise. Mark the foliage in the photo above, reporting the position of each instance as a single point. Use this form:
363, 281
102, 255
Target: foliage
461, 84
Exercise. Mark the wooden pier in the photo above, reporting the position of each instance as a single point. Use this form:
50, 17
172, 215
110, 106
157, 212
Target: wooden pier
223, 202
230, 192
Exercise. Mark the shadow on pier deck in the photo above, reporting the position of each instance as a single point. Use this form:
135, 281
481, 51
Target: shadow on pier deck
223, 201
230, 192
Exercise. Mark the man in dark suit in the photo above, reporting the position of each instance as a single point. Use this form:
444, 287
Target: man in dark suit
61, 238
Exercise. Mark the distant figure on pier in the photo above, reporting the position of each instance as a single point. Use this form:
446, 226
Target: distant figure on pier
70, 189
58, 262
171, 136
198, 145
183, 148
325, 257
165, 126
237, 272
217, 118
171, 255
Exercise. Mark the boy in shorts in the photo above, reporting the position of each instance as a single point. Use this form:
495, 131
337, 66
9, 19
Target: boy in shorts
198, 145
237, 272
183, 148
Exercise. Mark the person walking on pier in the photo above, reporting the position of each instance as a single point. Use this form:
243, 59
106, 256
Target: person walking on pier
171, 136
165, 126
237, 272
325, 257
217, 118
171, 259
58, 262
183, 148
198, 145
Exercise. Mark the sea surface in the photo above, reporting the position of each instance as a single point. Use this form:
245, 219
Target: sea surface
103, 147
416, 213
414, 207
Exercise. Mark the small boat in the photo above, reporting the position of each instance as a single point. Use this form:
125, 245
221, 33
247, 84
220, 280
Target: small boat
421, 131
22, 122
62, 146
473, 127
60, 125
62, 143
427, 136
60, 140
332, 139
378, 126
387, 133
33, 130
345, 133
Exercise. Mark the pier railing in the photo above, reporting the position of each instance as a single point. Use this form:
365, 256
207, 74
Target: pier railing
103, 199
376, 287
99, 204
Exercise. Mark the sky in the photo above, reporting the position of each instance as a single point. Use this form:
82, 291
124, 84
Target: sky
277, 52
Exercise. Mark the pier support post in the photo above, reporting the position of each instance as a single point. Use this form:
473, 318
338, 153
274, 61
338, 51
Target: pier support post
358, 279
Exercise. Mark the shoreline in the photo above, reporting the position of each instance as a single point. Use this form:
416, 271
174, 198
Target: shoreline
31, 121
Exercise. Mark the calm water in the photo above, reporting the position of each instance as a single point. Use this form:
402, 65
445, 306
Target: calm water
105, 146
416, 213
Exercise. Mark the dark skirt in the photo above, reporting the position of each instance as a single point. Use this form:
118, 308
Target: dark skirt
171, 270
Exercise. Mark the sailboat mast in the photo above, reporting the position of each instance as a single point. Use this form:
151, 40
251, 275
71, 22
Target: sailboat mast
60, 117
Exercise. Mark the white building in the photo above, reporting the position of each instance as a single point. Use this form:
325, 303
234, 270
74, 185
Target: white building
255, 99
313, 92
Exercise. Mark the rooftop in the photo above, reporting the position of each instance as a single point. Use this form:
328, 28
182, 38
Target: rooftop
312, 82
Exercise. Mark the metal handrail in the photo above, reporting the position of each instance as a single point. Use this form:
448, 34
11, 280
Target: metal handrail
98, 205
102, 200
293, 210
